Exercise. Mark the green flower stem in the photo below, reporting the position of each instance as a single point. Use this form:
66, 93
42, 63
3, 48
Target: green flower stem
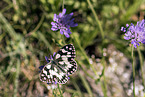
141, 65
80, 64
104, 85
133, 69
86, 85
6, 8
61, 95
53, 91
76, 86
63, 39
96, 18
85, 55
8, 27
16, 6
103, 88
63, 4
16, 83
72, 91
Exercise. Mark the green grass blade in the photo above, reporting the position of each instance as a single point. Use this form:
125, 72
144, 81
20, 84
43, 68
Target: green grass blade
86, 85
16, 84
7, 26
96, 18
132, 10
42, 38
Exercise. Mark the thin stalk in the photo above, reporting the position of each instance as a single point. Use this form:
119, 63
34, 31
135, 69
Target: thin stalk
96, 18
6, 8
63, 4
69, 90
133, 69
53, 91
141, 65
104, 79
80, 64
85, 55
86, 85
16, 6
77, 87
8, 27
16, 84
63, 39
103, 89
62, 9
61, 95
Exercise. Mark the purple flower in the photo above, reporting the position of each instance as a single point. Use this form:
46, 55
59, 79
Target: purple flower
63, 22
135, 33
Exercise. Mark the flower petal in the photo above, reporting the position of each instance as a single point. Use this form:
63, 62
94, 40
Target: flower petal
47, 59
54, 29
61, 31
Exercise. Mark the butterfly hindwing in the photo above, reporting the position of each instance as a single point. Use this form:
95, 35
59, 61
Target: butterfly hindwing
52, 74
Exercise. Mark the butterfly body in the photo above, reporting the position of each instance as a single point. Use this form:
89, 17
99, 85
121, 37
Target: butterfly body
60, 66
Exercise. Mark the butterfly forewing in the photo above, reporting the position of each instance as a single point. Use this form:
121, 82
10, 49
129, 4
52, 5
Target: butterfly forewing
65, 58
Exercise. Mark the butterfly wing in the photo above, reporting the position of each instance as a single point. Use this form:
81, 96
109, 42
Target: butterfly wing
52, 74
65, 59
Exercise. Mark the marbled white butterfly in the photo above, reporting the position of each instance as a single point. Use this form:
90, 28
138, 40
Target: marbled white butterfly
60, 66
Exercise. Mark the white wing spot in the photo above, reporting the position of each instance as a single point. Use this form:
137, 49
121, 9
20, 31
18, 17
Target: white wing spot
48, 76
68, 52
48, 66
57, 56
64, 51
68, 55
45, 72
65, 59
61, 63
55, 69
44, 78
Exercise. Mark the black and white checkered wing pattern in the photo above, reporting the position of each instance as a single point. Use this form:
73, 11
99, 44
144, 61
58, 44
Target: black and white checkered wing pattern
65, 59
63, 64
51, 74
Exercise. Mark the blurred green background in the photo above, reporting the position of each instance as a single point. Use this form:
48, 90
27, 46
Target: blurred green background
102, 55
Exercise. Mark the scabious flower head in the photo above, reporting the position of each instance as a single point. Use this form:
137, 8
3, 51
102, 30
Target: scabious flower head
63, 22
135, 33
